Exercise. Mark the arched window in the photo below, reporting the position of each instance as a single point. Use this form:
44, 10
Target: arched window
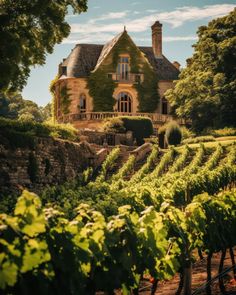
123, 68
82, 103
124, 103
164, 106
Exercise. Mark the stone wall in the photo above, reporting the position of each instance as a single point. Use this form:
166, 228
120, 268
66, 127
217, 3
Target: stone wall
49, 162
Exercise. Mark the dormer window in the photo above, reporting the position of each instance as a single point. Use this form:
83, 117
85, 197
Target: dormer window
123, 68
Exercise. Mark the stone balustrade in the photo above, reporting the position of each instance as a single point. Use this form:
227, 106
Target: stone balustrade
99, 116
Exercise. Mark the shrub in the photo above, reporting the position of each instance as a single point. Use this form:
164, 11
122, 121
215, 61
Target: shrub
173, 133
140, 126
114, 125
198, 139
20, 133
227, 131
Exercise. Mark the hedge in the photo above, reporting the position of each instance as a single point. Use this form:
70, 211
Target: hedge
140, 126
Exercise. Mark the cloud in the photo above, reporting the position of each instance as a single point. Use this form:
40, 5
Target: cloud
179, 38
102, 38
134, 3
151, 10
96, 30
185, 14
109, 16
99, 38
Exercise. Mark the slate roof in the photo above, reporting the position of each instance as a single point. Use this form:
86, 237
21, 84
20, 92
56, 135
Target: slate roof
84, 58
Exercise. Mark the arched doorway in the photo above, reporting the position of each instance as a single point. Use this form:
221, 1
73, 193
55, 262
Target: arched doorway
124, 103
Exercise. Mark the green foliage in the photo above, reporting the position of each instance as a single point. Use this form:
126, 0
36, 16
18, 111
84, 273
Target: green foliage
126, 169
148, 166
28, 32
101, 88
45, 252
186, 133
181, 160
90, 231
84, 252
114, 125
16, 133
173, 133
164, 163
199, 139
206, 89
148, 94
109, 163
65, 99
13, 106
140, 126
227, 131
54, 101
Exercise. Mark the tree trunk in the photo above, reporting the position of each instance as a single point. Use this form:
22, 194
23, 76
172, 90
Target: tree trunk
208, 287
188, 278
154, 287
200, 253
231, 251
221, 266
181, 282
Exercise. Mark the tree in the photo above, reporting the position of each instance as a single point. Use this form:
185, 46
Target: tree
206, 90
13, 106
29, 29
173, 133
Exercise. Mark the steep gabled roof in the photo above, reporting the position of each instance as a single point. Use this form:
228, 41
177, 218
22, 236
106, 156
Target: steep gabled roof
85, 58
107, 49
163, 67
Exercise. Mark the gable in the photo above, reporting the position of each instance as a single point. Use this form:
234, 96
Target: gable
85, 58
121, 44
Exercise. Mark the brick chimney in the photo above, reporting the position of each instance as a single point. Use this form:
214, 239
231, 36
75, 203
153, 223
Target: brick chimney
157, 39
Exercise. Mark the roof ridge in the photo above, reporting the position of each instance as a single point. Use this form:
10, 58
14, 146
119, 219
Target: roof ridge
107, 49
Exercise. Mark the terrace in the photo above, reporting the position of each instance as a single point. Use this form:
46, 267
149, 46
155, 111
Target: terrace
99, 116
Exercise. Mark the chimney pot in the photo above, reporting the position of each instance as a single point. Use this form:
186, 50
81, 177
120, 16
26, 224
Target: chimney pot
176, 64
157, 39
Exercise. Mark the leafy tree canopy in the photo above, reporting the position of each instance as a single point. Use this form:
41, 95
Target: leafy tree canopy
206, 91
29, 29
15, 107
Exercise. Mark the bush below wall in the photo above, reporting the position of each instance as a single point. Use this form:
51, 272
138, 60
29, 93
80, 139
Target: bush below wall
21, 134
140, 126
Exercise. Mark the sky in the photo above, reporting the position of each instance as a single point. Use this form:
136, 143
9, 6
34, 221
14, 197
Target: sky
106, 18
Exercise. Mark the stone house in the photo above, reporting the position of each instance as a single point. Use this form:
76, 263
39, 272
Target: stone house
96, 82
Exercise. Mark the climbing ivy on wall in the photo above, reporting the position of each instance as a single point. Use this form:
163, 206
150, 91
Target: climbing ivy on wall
65, 99
101, 87
147, 91
52, 89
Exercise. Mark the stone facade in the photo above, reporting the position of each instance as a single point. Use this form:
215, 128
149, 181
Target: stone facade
87, 58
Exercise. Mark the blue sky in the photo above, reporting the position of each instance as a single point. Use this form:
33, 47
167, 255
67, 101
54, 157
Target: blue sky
105, 18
